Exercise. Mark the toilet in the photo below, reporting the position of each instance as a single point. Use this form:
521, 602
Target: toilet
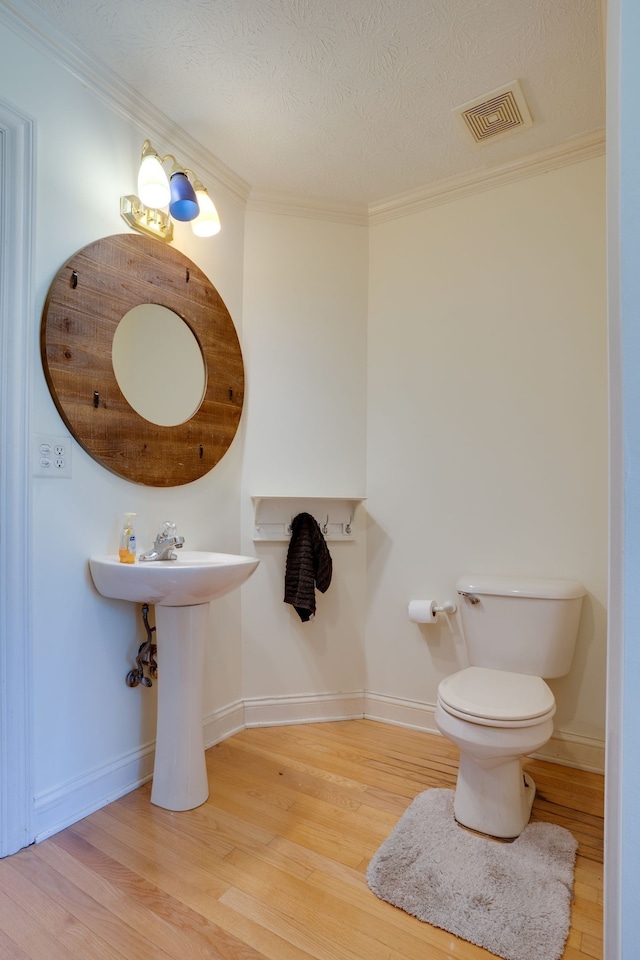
499, 709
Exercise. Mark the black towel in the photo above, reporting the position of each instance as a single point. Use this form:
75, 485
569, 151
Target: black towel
309, 565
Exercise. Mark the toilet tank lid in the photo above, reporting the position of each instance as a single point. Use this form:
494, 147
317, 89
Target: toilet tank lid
543, 588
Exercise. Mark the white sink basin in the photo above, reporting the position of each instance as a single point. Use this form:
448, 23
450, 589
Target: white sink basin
195, 577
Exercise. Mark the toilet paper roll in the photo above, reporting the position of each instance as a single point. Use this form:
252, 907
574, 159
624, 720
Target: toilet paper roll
423, 611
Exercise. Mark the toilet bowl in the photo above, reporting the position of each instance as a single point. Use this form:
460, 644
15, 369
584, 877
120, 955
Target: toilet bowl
499, 709
494, 718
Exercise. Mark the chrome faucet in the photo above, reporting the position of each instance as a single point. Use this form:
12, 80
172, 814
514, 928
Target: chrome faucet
164, 543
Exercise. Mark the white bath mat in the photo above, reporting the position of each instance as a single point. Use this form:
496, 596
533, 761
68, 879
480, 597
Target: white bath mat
511, 898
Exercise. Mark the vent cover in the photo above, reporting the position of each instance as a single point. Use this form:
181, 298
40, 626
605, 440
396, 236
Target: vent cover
496, 114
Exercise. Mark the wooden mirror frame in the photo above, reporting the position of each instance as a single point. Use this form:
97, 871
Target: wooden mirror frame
86, 301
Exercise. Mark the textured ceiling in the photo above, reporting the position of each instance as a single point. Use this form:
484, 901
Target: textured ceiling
349, 100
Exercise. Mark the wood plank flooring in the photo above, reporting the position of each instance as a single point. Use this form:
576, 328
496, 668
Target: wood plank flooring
272, 866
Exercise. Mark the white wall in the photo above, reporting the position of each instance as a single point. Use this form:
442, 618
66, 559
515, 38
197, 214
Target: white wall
305, 330
487, 420
89, 726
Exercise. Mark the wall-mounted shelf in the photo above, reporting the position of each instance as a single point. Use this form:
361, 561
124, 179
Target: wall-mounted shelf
335, 516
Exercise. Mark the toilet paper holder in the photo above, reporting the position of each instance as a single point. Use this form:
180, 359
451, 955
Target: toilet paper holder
427, 611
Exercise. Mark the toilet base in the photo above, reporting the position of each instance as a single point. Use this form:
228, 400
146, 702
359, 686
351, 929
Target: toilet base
495, 800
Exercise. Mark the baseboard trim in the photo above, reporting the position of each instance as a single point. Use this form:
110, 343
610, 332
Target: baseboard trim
583, 753
413, 714
223, 723
568, 749
77, 798
306, 708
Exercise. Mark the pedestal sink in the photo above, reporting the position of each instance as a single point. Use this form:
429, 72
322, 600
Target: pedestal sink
181, 591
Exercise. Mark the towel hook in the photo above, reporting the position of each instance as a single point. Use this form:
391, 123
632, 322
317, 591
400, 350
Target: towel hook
325, 526
347, 526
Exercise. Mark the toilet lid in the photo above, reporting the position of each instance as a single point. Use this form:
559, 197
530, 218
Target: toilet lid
496, 694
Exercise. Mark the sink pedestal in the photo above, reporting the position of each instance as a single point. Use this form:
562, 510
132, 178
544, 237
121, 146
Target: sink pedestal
179, 772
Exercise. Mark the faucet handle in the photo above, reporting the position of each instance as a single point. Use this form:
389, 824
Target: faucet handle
169, 535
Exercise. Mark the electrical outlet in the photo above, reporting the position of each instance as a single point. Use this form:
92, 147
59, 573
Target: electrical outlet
51, 456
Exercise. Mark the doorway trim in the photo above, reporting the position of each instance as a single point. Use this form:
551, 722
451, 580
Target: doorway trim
17, 175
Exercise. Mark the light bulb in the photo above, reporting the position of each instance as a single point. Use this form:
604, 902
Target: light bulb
207, 223
153, 183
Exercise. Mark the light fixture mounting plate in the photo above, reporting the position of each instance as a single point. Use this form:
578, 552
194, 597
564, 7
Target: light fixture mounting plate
153, 223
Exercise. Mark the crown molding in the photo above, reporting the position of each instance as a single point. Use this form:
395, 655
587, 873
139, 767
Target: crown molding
454, 188
31, 23
310, 209
27, 20
443, 191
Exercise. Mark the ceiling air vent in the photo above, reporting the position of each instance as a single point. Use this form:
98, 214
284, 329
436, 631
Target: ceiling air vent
496, 114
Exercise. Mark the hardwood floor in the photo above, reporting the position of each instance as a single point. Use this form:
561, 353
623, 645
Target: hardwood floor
272, 866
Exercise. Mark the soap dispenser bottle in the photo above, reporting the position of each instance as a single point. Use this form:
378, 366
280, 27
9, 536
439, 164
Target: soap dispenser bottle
127, 550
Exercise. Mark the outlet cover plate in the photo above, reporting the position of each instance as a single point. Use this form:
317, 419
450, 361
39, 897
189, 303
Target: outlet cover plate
51, 456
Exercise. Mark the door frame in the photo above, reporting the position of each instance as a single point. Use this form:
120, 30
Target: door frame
17, 185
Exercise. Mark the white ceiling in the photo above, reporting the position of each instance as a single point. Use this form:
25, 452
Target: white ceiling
349, 100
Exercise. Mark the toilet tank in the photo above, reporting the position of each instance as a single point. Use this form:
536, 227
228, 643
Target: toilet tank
520, 625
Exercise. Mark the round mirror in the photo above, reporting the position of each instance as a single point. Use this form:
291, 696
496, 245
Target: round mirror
163, 406
158, 364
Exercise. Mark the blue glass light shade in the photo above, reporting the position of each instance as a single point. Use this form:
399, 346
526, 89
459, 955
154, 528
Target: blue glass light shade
183, 204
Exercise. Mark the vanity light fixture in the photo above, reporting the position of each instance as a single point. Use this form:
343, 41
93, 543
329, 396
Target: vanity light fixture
187, 201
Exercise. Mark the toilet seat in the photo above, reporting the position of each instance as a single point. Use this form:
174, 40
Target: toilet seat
496, 698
